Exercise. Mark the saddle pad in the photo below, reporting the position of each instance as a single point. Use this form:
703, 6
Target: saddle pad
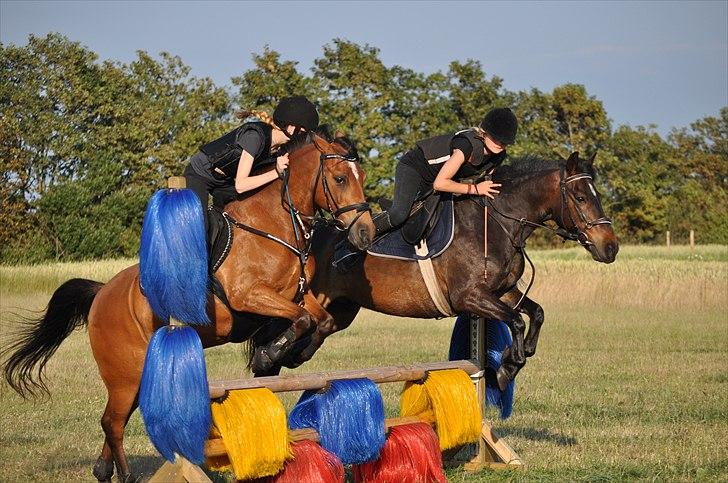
393, 244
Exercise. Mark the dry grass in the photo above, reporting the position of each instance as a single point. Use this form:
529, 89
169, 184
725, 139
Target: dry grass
630, 381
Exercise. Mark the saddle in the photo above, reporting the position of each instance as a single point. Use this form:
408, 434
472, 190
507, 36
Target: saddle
432, 220
219, 238
422, 218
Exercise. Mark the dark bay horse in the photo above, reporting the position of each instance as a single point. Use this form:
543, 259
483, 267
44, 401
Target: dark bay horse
259, 276
533, 192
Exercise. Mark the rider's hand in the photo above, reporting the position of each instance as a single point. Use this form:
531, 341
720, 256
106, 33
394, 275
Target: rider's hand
281, 164
487, 188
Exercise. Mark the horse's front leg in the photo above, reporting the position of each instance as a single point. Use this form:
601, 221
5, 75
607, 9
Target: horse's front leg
490, 306
325, 326
267, 302
535, 318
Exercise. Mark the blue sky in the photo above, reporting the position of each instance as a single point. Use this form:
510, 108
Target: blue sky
663, 63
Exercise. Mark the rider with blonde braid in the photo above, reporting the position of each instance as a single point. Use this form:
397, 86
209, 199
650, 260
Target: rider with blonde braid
222, 167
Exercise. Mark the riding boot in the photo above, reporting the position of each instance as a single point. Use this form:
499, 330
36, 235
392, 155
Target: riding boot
382, 224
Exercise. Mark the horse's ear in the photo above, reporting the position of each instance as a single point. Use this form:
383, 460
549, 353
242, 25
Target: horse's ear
572, 162
592, 158
339, 134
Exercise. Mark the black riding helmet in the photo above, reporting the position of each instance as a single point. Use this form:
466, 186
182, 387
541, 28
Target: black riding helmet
501, 124
296, 111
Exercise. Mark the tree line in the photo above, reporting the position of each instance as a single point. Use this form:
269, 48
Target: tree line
84, 143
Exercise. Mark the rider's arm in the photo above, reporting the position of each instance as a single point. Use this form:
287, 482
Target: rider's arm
251, 143
444, 181
244, 182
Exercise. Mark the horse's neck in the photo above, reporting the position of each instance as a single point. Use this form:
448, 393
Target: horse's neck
534, 198
302, 181
300, 186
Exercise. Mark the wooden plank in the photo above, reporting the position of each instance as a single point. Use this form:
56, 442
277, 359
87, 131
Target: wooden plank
317, 380
503, 450
194, 474
169, 473
216, 447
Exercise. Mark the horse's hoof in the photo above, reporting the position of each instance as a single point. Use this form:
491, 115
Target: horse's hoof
503, 379
291, 364
103, 470
261, 361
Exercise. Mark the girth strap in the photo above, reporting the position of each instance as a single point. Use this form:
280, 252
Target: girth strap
428, 274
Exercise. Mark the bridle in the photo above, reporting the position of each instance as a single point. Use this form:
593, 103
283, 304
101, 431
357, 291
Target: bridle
575, 233
331, 205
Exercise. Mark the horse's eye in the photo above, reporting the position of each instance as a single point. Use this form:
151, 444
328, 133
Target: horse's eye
580, 199
340, 179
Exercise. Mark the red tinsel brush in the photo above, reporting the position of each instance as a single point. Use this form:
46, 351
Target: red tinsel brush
310, 464
410, 455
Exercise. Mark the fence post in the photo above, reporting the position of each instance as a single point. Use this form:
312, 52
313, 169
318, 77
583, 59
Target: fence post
667, 238
692, 241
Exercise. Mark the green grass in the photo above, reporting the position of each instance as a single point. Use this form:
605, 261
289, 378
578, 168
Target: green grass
630, 381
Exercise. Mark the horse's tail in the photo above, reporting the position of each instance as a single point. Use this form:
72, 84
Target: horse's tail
34, 343
173, 256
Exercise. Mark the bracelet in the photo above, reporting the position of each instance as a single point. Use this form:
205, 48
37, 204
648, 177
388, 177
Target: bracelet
470, 187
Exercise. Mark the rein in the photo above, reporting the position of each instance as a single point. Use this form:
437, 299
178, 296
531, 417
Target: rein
302, 249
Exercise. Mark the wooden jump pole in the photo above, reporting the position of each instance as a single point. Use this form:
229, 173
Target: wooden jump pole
491, 451
318, 380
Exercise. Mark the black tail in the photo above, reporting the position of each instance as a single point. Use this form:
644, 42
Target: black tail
38, 340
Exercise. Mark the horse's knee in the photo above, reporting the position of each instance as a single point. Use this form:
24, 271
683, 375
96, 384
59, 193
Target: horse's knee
538, 315
107, 424
519, 325
302, 325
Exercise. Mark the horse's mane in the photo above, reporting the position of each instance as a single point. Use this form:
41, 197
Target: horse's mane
529, 165
304, 139
323, 131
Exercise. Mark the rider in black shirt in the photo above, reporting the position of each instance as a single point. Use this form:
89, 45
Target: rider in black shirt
222, 167
440, 162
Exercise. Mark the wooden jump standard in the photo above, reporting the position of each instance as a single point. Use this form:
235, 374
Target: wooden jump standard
491, 452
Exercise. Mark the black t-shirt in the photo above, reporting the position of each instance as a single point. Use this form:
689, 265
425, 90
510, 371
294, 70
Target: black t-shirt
251, 141
248, 140
416, 159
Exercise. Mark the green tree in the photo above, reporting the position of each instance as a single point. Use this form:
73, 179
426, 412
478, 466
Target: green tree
701, 201
556, 124
88, 143
471, 94
263, 86
639, 179
357, 93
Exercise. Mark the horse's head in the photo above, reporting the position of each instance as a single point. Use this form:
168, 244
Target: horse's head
340, 189
581, 210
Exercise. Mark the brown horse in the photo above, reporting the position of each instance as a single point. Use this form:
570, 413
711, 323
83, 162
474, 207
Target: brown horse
533, 192
260, 276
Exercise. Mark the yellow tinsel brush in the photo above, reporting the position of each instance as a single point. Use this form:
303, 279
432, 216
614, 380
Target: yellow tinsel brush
448, 399
253, 426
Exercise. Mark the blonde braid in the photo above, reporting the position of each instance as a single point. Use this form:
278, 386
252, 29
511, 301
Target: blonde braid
263, 116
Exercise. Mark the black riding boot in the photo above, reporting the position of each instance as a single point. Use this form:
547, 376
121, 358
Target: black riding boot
382, 224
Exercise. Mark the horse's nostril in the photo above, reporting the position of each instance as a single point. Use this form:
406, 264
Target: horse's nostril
611, 251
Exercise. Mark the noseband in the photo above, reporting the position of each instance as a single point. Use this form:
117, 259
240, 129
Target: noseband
331, 204
575, 233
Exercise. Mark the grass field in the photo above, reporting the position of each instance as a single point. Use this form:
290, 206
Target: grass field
630, 381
